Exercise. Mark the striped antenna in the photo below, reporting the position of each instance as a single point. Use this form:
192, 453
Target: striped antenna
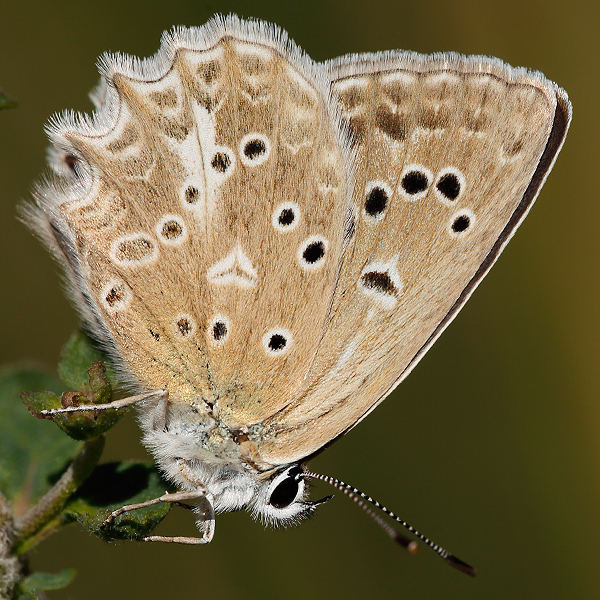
360, 498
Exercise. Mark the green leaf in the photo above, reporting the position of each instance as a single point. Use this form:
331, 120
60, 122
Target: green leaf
111, 486
38, 582
6, 101
83, 371
33, 454
76, 358
77, 425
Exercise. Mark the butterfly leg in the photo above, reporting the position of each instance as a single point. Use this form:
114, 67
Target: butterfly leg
115, 404
204, 506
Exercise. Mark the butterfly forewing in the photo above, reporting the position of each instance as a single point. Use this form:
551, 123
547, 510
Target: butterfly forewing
445, 152
209, 234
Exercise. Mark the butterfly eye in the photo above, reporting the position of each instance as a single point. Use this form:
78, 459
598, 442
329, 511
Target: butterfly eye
286, 491
71, 162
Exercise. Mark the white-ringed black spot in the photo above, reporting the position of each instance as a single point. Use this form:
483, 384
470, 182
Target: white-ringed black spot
286, 216
461, 223
115, 296
277, 341
376, 202
171, 230
219, 330
220, 162
414, 182
254, 149
184, 325
380, 282
312, 252
377, 196
449, 185
192, 194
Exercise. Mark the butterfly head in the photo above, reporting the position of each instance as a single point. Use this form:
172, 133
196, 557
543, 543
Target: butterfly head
281, 500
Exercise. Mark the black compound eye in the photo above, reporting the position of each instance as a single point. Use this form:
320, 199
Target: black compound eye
287, 490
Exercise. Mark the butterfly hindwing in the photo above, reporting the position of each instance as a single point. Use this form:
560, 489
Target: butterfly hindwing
450, 154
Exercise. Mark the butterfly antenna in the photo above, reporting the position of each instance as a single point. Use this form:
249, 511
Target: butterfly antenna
360, 498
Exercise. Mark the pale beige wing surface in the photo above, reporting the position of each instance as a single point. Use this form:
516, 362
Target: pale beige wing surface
202, 216
450, 154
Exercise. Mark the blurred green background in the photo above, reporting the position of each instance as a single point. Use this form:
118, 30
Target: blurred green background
491, 447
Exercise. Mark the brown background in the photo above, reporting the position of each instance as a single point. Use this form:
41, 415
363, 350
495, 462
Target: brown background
492, 446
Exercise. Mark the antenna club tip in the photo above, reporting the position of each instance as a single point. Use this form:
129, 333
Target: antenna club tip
461, 565
413, 547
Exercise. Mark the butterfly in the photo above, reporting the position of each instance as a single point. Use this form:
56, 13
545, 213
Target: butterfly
266, 246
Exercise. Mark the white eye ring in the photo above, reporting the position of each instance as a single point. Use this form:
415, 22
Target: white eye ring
286, 505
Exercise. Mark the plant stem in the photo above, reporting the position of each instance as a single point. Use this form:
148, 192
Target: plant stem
37, 523
10, 565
